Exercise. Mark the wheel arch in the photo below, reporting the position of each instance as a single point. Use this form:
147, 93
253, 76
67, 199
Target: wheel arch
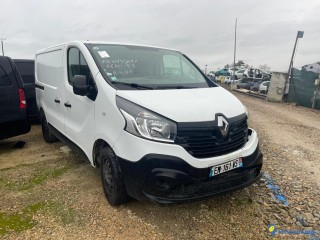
98, 144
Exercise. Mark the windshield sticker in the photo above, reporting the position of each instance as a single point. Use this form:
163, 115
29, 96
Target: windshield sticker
119, 67
103, 54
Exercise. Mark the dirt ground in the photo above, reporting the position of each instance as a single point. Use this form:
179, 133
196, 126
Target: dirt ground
49, 194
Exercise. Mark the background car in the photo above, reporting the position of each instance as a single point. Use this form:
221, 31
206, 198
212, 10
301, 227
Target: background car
26, 70
264, 87
212, 78
13, 106
239, 73
245, 84
255, 86
230, 70
211, 73
227, 80
256, 74
222, 72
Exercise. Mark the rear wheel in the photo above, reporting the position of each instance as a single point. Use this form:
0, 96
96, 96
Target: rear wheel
111, 178
47, 134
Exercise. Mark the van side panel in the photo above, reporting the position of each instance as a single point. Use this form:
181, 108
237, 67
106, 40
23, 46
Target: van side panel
50, 86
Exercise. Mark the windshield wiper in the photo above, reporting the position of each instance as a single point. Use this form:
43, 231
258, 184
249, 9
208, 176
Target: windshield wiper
133, 85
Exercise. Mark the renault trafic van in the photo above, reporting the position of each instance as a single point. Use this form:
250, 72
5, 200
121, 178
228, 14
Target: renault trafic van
156, 126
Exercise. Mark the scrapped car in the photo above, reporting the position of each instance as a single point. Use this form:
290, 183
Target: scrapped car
264, 87
239, 73
245, 84
222, 72
149, 118
255, 86
227, 80
255, 73
13, 106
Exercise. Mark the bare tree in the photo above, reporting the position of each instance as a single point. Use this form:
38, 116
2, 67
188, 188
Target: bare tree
265, 67
239, 63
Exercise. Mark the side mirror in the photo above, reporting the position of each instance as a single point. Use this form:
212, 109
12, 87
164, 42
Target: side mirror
80, 86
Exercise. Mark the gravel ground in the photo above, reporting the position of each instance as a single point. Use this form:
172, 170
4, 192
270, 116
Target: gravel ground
46, 193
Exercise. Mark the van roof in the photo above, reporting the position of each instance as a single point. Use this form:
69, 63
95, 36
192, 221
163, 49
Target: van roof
99, 42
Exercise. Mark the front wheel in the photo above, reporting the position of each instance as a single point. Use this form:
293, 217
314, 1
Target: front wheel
111, 178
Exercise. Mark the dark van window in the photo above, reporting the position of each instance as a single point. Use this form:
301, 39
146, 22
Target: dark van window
26, 70
4, 80
77, 65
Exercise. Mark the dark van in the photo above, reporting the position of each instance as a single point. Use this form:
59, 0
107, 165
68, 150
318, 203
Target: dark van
26, 70
13, 106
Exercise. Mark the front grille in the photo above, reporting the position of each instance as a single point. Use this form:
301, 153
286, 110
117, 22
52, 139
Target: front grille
206, 140
214, 185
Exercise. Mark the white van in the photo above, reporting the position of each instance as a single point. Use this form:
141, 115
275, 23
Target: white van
149, 118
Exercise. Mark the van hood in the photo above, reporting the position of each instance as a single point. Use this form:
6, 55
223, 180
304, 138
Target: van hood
187, 105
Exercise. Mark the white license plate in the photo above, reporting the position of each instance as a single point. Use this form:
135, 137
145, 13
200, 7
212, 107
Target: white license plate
225, 167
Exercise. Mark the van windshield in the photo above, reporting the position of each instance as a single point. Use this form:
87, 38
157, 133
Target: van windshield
134, 67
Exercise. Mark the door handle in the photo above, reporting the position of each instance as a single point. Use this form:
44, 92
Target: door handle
56, 100
67, 104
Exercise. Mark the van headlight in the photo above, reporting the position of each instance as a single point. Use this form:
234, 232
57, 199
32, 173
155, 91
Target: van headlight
144, 123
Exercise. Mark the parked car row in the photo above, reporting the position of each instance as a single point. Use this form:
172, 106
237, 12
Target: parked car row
257, 86
251, 73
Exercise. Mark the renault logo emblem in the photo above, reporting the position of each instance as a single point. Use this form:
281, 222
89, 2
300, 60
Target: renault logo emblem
223, 125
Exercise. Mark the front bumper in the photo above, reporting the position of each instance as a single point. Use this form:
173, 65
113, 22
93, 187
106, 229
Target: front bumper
169, 179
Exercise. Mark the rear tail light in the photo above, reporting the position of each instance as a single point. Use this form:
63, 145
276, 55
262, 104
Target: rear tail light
23, 103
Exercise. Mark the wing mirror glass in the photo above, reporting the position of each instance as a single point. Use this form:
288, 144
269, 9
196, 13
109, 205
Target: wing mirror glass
80, 86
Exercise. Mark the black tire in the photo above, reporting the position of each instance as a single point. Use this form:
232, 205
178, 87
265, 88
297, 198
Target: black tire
47, 134
111, 178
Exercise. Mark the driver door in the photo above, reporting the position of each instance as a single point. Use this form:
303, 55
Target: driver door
79, 110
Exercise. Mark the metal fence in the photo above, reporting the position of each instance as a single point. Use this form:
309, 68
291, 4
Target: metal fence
302, 88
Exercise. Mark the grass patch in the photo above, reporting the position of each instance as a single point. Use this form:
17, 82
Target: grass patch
243, 201
21, 221
41, 175
65, 214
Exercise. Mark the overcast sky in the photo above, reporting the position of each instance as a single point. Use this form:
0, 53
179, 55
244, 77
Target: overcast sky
202, 29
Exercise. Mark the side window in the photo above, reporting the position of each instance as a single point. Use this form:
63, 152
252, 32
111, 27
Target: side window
77, 65
4, 80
